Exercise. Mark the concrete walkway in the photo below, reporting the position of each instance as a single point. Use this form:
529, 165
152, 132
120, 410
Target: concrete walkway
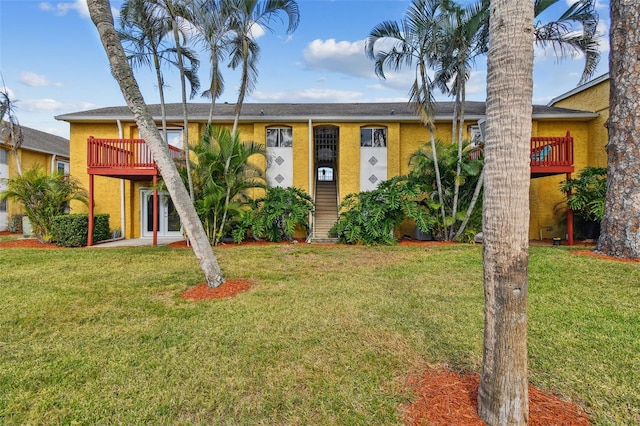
136, 242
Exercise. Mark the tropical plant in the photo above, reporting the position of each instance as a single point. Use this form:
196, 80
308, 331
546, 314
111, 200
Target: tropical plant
100, 12
224, 171
148, 23
465, 175
277, 215
212, 18
10, 130
43, 197
370, 217
246, 16
586, 193
586, 198
416, 39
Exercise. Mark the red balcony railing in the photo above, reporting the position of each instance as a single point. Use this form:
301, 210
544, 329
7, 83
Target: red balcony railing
122, 154
553, 154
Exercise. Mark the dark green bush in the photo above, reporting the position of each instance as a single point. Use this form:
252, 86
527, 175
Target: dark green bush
71, 230
277, 215
370, 217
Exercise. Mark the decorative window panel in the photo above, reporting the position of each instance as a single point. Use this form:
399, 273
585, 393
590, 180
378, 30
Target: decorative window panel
279, 156
373, 157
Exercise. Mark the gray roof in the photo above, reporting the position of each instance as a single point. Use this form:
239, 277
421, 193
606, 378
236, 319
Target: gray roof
291, 112
35, 140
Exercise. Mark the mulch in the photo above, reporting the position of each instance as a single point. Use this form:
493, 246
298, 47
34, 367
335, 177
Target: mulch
445, 398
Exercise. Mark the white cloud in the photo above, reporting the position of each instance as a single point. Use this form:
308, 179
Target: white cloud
42, 105
343, 57
308, 95
33, 79
63, 8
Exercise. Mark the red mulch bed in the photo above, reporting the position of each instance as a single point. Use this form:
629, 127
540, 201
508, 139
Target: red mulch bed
230, 288
25, 243
446, 398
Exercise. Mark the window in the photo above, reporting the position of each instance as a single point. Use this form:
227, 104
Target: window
3, 206
475, 135
279, 137
62, 167
375, 137
4, 156
174, 137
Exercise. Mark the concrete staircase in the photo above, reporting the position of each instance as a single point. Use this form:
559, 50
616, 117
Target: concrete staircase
326, 213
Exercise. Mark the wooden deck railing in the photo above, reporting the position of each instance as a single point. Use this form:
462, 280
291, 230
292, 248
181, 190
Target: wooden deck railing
552, 151
122, 154
546, 151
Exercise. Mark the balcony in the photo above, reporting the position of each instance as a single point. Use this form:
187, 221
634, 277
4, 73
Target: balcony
550, 155
123, 158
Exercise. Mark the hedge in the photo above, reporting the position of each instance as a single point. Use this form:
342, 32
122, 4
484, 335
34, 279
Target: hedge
71, 230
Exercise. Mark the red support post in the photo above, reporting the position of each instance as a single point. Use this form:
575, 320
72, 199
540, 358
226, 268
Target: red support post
90, 227
569, 218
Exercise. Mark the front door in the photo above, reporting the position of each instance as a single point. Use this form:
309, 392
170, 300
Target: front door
168, 220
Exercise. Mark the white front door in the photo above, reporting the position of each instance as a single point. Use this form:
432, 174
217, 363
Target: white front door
168, 220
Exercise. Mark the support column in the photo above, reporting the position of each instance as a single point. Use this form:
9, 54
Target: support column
569, 216
91, 224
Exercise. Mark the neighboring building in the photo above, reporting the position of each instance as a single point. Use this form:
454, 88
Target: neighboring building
341, 148
592, 96
38, 148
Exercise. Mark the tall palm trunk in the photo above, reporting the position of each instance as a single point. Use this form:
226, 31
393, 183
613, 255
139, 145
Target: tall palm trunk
100, 12
620, 230
456, 184
503, 391
183, 87
427, 119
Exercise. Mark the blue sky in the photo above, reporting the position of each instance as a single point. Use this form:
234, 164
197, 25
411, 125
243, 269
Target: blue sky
52, 61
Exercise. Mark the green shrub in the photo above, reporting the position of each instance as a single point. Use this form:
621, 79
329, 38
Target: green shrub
43, 197
370, 217
71, 230
277, 215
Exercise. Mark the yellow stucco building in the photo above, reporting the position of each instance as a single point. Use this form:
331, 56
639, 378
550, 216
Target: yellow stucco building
347, 147
38, 148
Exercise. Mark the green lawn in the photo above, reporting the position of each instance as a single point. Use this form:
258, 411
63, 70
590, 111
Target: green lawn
327, 336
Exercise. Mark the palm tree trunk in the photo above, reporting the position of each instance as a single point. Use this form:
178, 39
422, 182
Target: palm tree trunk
620, 229
456, 184
503, 392
185, 114
100, 12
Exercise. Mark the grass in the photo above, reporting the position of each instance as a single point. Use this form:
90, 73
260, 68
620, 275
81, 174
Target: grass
328, 335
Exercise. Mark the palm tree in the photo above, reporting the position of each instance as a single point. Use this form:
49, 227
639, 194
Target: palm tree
575, 31
10, 129
503, 390
100, 12
246, 14
222, 191
620, 231
144, 33
416, 40
175, 15
564, 37
212, 20
43, 197
460, 30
